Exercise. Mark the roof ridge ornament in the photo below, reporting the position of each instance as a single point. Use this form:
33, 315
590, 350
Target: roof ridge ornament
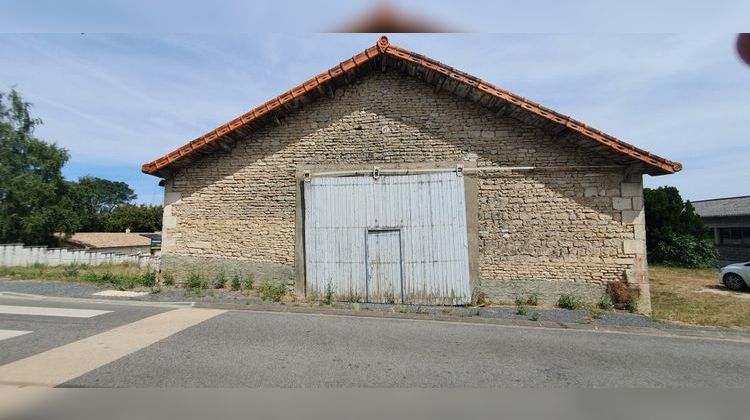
383, 43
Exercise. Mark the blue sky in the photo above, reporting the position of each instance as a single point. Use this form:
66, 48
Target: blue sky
116, 101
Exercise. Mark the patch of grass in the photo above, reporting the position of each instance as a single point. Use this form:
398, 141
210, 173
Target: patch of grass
595, 313
119, 276
409, 309
534, 316
676, 296
570, 301
236, 282
272, 290
70, 271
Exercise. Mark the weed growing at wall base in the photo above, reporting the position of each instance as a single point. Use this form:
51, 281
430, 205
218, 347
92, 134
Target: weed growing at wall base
196, 282
270, 290
570, 301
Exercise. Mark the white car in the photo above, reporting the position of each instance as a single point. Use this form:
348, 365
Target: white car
735, 276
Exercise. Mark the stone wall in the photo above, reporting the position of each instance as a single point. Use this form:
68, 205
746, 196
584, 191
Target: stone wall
541, 229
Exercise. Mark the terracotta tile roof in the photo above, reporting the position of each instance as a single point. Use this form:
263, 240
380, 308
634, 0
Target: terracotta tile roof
383, 54
718, 207
108, 240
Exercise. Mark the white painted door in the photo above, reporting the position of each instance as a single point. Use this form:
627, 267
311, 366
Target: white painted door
384, 266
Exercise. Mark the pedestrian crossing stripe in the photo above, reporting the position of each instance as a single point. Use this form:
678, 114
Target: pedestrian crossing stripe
5, 334
47, 311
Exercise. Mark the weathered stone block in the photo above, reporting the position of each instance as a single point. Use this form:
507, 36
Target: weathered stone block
631, 189
622, 203
633, 217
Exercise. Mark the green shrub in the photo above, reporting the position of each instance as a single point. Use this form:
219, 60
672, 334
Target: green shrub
196, 282
148, 279
167, 279
531, 300
272, 290
125, 282
330, 291
605, 302
219, 281
521, 310
236, 283
684, 251
107, 277
249, 282
534, 316
631, 305
570, 301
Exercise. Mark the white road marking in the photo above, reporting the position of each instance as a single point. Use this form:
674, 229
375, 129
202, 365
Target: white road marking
61, 364
5, 334
120, 293
44, 311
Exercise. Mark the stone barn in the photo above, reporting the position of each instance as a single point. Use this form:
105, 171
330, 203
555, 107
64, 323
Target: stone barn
395, 178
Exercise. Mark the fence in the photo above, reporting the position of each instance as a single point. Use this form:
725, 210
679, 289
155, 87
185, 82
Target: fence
12, 255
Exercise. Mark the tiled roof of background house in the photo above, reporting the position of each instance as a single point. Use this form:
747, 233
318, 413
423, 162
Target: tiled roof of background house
108, 239
731, 206
384, 55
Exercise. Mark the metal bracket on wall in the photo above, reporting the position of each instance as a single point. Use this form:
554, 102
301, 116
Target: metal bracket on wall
306, 176
459, 170
376, 172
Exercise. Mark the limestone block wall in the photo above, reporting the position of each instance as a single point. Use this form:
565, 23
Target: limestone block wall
537, 229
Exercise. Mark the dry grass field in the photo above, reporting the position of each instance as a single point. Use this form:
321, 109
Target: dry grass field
676, 296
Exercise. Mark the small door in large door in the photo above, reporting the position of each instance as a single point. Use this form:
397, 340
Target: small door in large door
384, 283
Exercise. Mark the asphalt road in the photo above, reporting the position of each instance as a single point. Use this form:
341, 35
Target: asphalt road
258, 349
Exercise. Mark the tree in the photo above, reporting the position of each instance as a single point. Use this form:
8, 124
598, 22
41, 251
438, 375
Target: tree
96, 197
137, 218
675, 234
33, 194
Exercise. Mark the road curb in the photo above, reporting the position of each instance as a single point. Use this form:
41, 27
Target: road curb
696, 333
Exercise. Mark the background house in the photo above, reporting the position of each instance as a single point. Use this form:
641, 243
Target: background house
120, 242
729, 222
